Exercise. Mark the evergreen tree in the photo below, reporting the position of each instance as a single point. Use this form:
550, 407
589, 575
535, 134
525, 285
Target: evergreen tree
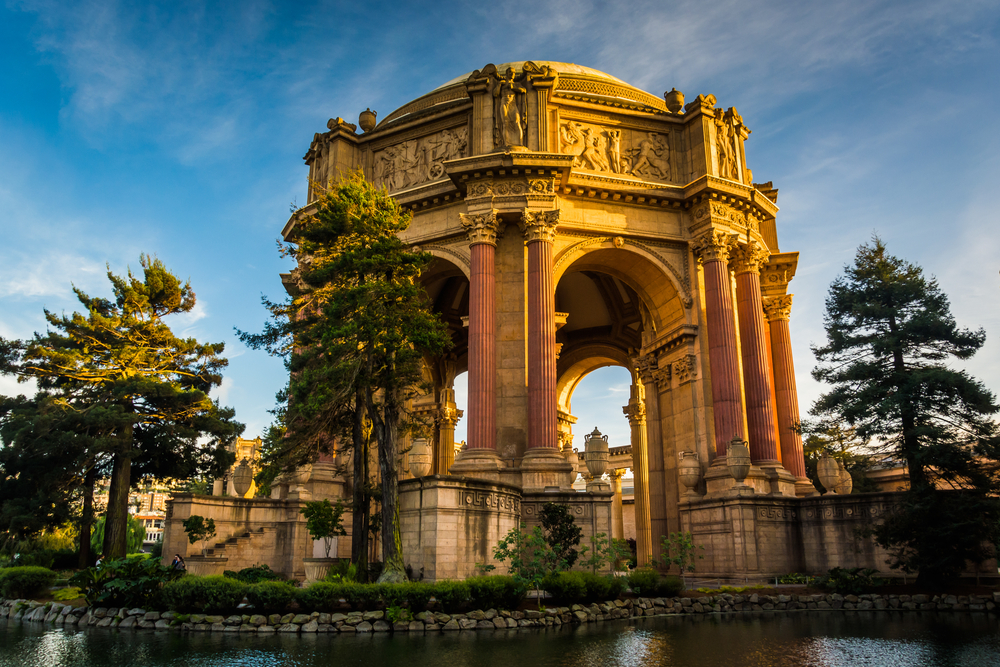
354, 333
889, 332
141, 391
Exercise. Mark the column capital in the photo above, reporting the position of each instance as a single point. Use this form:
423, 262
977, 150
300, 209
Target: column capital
482, 227
616, 473
539, 225
749, 258
449, 416
715, 245
645, 366
685, 368
636, 413
778, 307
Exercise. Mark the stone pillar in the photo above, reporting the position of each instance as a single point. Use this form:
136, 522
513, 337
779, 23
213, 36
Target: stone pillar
448, 416
656, 479
778, 311
713, 250
636, 411
480, 457
617, 515
747, 261
543, 465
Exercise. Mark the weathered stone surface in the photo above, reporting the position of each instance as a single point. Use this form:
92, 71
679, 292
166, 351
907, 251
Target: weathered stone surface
288, 627
415, 626
310, 626
381, 626
300, 619
364, 626
162, 624
451, 625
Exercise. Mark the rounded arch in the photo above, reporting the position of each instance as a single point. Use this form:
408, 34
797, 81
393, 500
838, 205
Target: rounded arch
447, 256
582, 361
657, 283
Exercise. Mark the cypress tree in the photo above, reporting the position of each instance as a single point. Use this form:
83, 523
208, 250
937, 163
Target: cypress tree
889, 333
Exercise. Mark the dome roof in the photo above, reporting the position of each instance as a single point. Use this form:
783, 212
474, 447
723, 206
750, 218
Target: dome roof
573, 80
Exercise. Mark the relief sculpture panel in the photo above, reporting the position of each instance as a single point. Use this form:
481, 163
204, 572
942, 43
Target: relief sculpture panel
419, 160
617, 151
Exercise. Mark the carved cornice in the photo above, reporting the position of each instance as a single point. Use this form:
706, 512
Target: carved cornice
778, 307
714, 246
749, 258
539, 225
482, 228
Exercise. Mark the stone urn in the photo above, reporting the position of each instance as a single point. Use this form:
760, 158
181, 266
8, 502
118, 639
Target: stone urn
367, 120
689, 472
595, 453
738, 461
242, 478
317, 568
845, 483
420, 457
674, 100
828, 471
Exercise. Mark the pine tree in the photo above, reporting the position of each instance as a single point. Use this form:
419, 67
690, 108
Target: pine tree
889, 332
142, 391
355, 334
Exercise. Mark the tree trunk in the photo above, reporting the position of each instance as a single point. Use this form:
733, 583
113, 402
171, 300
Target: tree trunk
116, 523
87, 518
361, 501
393, 568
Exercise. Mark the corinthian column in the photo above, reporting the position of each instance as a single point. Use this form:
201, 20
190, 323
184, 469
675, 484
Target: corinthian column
778, 310
636, 412
617, 515
543, 466
747, 261
480, 458
713, 250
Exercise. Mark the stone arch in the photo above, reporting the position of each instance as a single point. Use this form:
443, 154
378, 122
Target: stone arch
456, 259
657, 282
583, 361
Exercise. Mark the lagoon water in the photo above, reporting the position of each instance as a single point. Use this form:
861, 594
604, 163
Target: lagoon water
813, 639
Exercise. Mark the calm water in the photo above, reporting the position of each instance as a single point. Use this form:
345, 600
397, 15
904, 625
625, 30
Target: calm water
813, 639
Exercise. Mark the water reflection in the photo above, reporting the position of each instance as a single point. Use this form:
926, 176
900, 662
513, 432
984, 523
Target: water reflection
797, 639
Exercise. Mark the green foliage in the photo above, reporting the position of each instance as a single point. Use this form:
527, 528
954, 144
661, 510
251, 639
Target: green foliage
342, 572
271, 596
198, 528
156, 550
412, 594
322, 595
119, 394
68, 593
561, 532
212, 594
889, 332
529, 556
254, 574
324, 521
853, 581
679, 549
25, 582
649, 583
582, 587
495, 592
394, 614
124, 582
604, 552
836, 437
796, 578
452, 595
134, 537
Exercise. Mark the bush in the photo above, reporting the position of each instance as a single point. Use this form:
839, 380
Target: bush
271, 596
254, 574
496, 592
322, 596
68, 593
669, 586
854, 581
25, 582
125, 582
601, 588
452, 595
204, 594
649, 583
414, 595
566, 587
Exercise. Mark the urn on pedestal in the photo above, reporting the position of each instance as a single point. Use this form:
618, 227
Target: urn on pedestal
828, 470
738, 461
689, 472
420, 457
242, 478
595, 454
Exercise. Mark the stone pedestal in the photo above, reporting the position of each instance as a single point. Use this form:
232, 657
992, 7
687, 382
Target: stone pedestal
480, 463
545, 469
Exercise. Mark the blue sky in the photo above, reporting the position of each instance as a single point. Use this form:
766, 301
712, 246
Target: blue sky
178, 128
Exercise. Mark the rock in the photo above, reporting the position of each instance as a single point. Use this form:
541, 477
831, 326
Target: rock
105, 622
169, 615
258, 620
288, 627
233, 620
348, 628
511, 623
324, 628
128, 622
273, 619
230, 628
432, 627
403, 626
214, 619
499, 623
148, 625
381, 626
363, 626
286, 619
300, 619
215, 627
323, 619
920, 599
373, 615
491, 614
101, 612
477, 615
151, 616
580, 616
338, 618
162, 624
265, 630
415, 626
137, 612
467, 624
451, 625
311, 626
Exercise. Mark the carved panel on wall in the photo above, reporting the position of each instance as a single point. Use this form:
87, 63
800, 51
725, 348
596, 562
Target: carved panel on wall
419, 160
617, 151
726, 143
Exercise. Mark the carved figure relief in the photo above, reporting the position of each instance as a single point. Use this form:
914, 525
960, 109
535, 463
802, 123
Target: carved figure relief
419, 160
510, 113
643, 154
726, 144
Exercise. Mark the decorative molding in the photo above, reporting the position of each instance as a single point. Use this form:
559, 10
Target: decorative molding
611, 90
636, 412
411, 163
463, 259
778, 307
482, 228
685, 368
491, 500
749, 258
539, 225
714, 246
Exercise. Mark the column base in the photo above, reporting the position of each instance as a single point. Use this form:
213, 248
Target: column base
598, 486
804, 488
766, 479
782, 482
546, 469
478, 463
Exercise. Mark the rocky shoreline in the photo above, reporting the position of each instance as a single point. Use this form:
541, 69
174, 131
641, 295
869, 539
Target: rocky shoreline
59, 614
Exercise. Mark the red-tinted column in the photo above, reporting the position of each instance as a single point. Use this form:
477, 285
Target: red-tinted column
778, 311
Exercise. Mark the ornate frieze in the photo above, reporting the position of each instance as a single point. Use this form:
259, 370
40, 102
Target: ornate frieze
419, 160
749, 258
714, 245
685, 368
504, 502
539, 225
727, 144
617, 151
482, 228
661, 376
717, 212
778, 307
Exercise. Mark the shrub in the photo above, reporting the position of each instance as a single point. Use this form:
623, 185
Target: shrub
25, 581
125, 582
452, 595
342, 572
643, 582
414, 595
254, 574
271, 596
601, 588
68, 593
854, 581
566, 587
204, 594
321, 595
496, 592
669, 586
